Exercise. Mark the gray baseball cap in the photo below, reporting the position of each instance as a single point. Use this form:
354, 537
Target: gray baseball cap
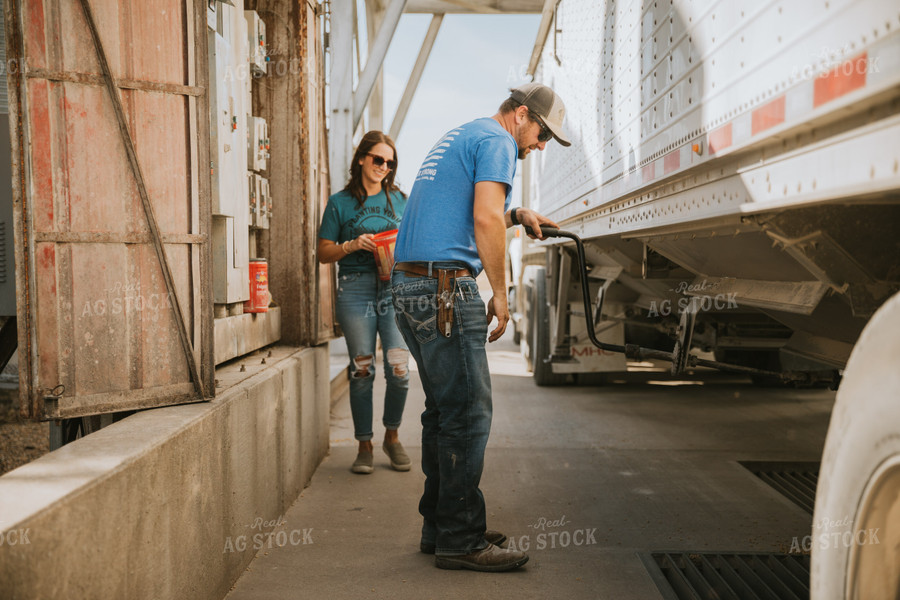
543, 101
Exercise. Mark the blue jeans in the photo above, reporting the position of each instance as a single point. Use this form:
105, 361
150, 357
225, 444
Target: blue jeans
457, 418
364, 308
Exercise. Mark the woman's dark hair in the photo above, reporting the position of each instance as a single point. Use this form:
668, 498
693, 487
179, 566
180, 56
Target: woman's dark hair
355, 185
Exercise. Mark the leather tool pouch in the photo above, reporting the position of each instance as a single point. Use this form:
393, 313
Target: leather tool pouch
445, 290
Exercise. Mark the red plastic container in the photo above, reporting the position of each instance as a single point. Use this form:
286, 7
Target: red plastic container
259, 287
384, 253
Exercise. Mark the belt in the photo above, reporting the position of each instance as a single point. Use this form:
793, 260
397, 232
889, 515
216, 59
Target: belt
422, 271
446, 287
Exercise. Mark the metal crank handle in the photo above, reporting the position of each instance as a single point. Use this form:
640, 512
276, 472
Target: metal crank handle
546, 230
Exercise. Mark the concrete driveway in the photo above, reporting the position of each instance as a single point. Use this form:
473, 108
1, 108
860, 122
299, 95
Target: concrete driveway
585, 479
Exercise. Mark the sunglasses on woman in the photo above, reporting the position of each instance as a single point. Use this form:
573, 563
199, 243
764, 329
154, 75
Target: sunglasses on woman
379, 160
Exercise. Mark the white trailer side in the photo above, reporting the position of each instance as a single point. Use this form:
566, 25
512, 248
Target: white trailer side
745, 155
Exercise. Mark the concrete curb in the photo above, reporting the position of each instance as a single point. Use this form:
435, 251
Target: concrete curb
155, 506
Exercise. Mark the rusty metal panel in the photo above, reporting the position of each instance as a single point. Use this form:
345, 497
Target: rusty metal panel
101, 331
318, 170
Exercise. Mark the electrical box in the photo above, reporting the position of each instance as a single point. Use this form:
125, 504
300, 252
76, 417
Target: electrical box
229, 99
256, 36
265, 201
230, 278
253, 181
259, 202
224, 128
257, 143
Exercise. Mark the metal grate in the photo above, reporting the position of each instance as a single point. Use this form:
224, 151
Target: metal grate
696, 576
794, 480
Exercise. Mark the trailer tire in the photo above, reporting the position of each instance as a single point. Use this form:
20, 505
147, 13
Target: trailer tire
855, 540
540, 346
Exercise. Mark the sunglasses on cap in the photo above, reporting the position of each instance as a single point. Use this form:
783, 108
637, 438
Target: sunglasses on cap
545, 135
379, 160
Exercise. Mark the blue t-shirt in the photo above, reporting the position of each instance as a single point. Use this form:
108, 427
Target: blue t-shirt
344, 220
439, 224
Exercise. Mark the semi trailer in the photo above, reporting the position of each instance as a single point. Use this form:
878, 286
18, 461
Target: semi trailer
735, 178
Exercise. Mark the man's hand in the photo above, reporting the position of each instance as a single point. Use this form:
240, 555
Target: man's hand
490, 239
532, 221
497, 307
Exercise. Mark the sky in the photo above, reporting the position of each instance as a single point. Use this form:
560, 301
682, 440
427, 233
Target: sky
474, 62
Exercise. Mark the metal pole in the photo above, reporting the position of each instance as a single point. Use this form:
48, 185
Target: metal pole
543, 31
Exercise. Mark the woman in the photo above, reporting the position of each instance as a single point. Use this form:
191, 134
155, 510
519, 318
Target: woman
370, 204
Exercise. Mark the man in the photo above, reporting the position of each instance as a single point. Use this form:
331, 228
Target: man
455, 223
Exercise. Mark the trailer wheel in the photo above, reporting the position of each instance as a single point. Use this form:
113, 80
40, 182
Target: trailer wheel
856, 541
540, 347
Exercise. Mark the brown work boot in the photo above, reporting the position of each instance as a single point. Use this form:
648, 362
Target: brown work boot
490, 559
492, 537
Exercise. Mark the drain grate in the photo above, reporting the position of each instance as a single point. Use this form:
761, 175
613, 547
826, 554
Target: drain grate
694, 575
794, 480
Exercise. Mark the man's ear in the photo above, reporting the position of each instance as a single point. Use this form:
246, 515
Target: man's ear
521, 114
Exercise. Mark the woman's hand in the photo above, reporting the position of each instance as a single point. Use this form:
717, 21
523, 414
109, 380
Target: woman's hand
363, 242
330, 252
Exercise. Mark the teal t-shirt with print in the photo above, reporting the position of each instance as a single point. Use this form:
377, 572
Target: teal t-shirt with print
344, 220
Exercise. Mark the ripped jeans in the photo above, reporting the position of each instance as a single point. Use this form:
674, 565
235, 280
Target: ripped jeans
458, 410
364, 308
